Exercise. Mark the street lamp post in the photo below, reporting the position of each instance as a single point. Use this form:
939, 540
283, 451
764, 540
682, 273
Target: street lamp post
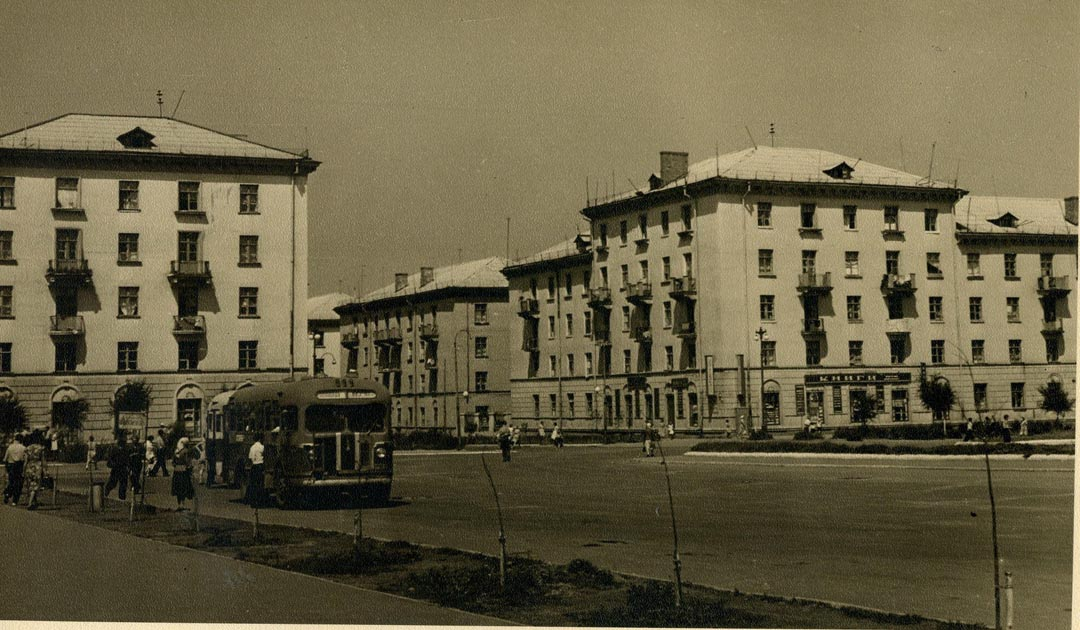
457, 388
761, 334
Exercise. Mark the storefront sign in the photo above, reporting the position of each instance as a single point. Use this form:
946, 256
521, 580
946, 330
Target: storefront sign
131, 420
679, 383
858, 378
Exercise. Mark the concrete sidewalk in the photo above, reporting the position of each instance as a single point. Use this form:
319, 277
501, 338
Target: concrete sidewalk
63, 570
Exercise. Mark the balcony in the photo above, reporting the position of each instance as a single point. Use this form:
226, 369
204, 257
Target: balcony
528, 307
1055, 327
685, 330
897, 327
350, 339
639, 292
1053, 286
429, 331
813, 327
386, 336
600, 297
68, 271
684, 288
815, 283
387, 367
189, 272
642, 334
66, 326
898, 284
189, 325
602, 336
530, 344
601, 248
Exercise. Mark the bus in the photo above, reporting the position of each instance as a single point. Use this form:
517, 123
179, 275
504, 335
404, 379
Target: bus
328, 436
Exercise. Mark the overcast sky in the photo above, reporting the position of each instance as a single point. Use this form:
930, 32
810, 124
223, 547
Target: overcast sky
435, 121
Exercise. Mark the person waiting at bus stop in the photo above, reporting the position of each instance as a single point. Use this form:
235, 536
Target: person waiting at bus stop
255, 488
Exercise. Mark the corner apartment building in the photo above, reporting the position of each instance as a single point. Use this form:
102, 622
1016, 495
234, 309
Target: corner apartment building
147, 248
793, 281
324, 334
437, 340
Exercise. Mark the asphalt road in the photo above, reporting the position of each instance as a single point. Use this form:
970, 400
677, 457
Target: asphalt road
896, 534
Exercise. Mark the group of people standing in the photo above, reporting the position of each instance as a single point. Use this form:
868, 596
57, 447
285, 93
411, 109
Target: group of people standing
509, 437
24, 462
127, 464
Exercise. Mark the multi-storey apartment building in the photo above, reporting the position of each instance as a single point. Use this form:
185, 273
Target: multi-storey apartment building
324, 334
794, 281
437, 340
152, 249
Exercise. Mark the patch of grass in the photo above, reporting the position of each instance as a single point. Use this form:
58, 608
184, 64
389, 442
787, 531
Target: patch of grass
584, 574
878, 448
652, 604
369, 557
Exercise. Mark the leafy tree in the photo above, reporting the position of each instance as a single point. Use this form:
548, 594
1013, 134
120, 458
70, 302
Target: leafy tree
13, 416
1055, 400
937, 395
69, 417
864, 409
133, 396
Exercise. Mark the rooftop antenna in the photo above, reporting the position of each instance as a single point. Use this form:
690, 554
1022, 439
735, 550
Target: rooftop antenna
717, 147
586, 191
160, 102
751, 136
772, 134
956, 175
930, 175
507, 238
902, 167
178, 101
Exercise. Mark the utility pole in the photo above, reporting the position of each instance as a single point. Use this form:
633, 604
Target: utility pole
761, 333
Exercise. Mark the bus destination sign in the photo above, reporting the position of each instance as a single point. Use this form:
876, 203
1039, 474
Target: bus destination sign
346, 394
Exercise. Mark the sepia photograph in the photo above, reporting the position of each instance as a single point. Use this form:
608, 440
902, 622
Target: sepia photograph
553, 313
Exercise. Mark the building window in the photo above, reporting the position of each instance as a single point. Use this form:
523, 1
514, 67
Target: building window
645, 359
665, 227
687, 217
807, 216
892, 263
665, 267
643, 226
978, 354
624, 270
849, 217
897, 349
67, 192
128, 248
249, 250
809, 261
975, 309
588, 324
7, 238
937, 351
536, 405
973, 267
851, 264
5, 358
6, 304
481, 347
554, 404
622, 233
1053, 350
188, 196
129, 196
768, 312
644, 265
667, 314
127, 356
688, 264
188, 355
248, 355
764, 262
553, 365
855, 352
480, 314
7, 192
933, 264
625, 318
568, 286
588, 364
481, 382
65, 356
1016, 391
854, 308
570, 405
764, 214
892, 218
936, 306
67, 245
768, 353
187, 244
249, 198
1012, 309
570, 367
899, 405
669, 358
930, 219
249, 301
1010, 266
1046, 264
1016, 354
627, 364
551, 326
979, 392
603, 235
128, 302
551, 289
569, 324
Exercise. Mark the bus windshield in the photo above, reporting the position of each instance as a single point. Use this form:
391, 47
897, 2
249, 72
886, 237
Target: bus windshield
357, 418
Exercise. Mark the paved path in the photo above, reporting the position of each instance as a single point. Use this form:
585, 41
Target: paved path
76, 572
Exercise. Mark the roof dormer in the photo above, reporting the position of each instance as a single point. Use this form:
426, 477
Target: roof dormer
1007, 220
137, 138
841, 171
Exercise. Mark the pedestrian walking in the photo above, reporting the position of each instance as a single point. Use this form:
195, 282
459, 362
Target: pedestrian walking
149, 454
14, 463
159, 455
182, 487
136, 461
91, 453
255, 487
969, 431
671, 431
119, 463
556, 436
506, 442
1023, 425
516, 437
35, 467
542, 434
648, 448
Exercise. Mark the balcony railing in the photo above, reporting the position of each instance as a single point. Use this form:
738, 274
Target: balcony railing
601, 336
898, 283
68, 270
528, 307
815, 282
639, 292
685, 329
642, 334
530, 344
66, 326
1055, 327
386, 335
897, 326
1053, 285
683, 288
189, 325
429, 331
600, 297
814, 327
194, 271
350, 339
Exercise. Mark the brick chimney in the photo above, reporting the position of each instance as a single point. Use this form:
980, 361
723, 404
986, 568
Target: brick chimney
401, 280
1070, 209
673, 165
427, 275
